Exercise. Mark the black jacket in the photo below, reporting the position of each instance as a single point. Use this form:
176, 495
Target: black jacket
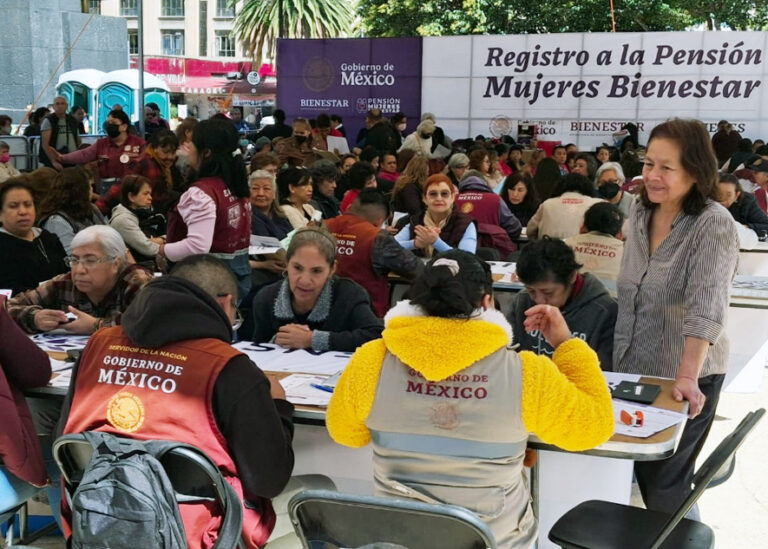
329, 205
746, 211
342, 314
258, 429
25, 264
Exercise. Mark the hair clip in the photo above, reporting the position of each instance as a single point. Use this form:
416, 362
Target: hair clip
452, 265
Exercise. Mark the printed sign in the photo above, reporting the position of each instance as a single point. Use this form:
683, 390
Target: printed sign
348, 77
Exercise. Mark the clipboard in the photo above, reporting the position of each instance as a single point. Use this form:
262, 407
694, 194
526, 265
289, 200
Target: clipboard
644, 393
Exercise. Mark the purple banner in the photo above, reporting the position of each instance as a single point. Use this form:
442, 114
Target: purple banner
348, 77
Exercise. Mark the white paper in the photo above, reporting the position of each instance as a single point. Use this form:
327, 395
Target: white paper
397, 216
750, 286
503, 267
273, 358
61, 379
654, 419
60, 343
299, 390
441, 152
6, 293
338, 145
60, 365
263, 250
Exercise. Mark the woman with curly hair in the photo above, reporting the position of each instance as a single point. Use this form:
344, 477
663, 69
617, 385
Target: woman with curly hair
67, 208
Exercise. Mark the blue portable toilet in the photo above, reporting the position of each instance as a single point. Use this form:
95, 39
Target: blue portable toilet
80, 87
121, 87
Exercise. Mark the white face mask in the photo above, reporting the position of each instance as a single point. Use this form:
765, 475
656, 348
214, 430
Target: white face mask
401, 127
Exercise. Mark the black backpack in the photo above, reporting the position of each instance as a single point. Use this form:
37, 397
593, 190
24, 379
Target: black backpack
125, 498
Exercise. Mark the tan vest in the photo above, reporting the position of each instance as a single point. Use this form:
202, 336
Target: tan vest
600, 254
460, 440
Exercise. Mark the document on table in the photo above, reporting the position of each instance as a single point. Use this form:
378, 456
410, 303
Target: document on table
273, 358
59, 342
60, 365
750, 286
654, 419
61, 379
263, 245
503, 267
614, 378
303, 389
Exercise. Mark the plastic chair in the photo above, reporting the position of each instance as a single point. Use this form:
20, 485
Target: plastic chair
193, 475
325, 519
14, 494
603, 525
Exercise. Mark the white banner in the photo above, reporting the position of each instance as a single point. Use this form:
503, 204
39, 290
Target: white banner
582, 88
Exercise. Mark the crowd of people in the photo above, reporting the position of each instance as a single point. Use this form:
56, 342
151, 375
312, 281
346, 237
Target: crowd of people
611, 233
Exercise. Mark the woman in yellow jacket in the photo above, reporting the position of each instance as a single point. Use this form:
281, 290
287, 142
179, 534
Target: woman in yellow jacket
448, 406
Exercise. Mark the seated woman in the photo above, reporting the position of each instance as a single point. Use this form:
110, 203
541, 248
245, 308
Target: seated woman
551, 276
743, 206
311, 308
360, 176
440, 228
28, 254
324, 176
295, 187
267, 220
448, 406
520, 196
409, 187
99, 287
67, 208
136, 221
563, 215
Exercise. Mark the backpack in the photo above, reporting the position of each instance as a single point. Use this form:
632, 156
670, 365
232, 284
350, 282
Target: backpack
125, 498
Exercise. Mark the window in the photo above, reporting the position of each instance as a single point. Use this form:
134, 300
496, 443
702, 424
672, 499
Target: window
203, 28
223, 9
94, 6
173, 8
133, 42
128, 8
173, 42
225, 44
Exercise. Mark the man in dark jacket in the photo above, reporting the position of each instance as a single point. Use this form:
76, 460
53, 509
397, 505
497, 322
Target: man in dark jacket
199, 375
381, 135
549, 270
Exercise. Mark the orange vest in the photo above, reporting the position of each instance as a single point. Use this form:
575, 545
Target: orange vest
163, 394
354, 239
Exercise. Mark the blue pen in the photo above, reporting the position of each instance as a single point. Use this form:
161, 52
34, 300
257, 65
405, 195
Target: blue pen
322, 387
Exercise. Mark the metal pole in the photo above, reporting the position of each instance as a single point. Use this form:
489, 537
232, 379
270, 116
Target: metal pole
140, 23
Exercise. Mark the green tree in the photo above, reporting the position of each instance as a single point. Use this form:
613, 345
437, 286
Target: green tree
259, 23
449, 17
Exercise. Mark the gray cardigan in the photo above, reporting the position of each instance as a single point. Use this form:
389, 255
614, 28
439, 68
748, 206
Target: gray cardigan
679, 291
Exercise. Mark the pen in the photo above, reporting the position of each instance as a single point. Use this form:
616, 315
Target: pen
322, 387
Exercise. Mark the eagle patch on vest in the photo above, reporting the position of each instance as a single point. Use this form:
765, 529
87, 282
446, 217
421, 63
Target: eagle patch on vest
467, 207
125, 412
233, 216
445, 416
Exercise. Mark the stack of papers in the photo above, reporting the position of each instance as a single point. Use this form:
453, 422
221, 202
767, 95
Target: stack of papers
263, 245
304, 389
750, 286
273, 358
61, 379
60, 343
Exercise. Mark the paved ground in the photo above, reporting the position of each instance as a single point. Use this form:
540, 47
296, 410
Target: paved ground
738, 509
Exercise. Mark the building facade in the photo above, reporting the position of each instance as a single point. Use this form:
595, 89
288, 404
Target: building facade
181, 28
42, 39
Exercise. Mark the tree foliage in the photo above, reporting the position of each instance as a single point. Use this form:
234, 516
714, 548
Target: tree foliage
450, 17
259, 23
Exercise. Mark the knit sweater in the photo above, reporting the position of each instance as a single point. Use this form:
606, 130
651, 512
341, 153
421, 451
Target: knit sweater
565, 400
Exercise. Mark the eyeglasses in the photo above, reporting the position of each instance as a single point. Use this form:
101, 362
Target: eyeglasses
238, 315
439, 194
87, 262
615, 181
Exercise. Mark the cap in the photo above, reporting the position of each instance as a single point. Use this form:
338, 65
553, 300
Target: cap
759, 165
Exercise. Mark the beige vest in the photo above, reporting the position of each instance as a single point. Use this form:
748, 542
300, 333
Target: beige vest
600, 254
460, 440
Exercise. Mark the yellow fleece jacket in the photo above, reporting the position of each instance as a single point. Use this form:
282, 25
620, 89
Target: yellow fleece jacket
566, 401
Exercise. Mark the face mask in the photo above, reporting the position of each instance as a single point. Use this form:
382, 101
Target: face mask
244, 142
113, 130
425, 135
301, 139
608, 190
401, 127
5, 158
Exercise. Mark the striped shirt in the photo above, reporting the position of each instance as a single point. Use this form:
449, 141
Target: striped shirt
679, 291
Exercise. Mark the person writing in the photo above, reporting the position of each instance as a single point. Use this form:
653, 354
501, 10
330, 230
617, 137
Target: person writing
311, 308
96, 291
679, 259
221, 402
429, 395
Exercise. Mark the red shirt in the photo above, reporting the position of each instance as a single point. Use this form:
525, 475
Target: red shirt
114, 161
